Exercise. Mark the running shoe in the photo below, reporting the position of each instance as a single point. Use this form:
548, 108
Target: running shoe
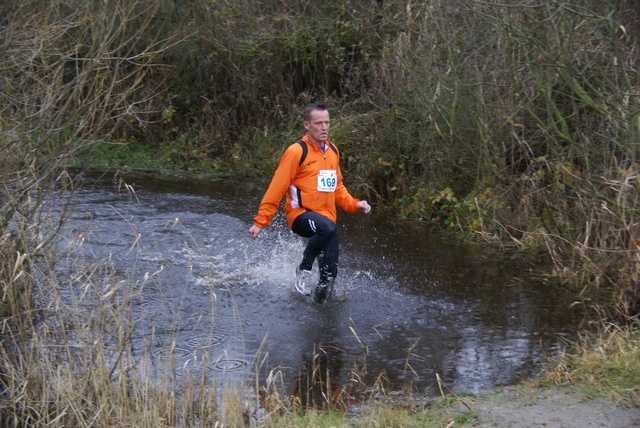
302, 277
322, 292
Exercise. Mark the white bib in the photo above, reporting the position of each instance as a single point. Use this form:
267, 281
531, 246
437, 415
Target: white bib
327, 180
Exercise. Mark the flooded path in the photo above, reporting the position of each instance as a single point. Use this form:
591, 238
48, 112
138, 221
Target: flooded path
407, 304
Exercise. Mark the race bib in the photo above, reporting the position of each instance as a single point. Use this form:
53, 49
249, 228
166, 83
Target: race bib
327, 180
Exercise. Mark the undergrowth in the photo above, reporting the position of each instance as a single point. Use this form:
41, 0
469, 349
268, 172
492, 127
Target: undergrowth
512, 123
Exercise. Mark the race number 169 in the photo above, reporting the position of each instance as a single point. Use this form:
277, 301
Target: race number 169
327, 180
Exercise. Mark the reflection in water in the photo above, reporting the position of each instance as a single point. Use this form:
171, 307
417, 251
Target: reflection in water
319, 384
411, 306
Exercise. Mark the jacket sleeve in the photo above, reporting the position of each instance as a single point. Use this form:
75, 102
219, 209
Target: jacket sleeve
282, 179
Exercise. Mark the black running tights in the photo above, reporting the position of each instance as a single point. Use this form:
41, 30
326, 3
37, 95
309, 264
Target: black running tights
323, 244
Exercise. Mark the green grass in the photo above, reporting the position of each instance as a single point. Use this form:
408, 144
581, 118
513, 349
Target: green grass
439, 412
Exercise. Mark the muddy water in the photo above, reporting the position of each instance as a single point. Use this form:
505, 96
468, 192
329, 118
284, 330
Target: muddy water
408, 304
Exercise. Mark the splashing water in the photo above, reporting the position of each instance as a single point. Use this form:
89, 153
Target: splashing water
405, 302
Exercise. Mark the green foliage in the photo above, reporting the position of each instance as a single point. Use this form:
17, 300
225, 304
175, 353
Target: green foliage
531, 104
490, 118
516, 122
313, 419
443, 411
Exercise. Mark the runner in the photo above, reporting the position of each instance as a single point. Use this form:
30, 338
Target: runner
309, 174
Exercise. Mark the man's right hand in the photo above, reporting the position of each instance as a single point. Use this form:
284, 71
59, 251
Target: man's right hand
254, 231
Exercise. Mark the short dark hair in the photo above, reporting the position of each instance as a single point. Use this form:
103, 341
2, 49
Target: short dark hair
306, 115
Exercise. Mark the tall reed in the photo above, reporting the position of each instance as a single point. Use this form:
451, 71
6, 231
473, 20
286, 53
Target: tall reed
71, 74
76, 362
516, 122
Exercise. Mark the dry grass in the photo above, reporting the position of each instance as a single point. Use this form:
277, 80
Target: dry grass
74, 360
523, 115
605, 362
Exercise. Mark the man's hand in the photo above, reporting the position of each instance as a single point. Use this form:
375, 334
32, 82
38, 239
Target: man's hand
364, 207
254, 231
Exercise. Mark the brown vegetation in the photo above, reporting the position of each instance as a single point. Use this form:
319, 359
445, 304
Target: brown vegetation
518, 123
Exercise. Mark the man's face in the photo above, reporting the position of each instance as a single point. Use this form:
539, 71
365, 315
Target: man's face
318, 126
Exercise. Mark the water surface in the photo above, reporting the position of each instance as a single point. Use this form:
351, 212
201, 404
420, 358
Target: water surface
409, 304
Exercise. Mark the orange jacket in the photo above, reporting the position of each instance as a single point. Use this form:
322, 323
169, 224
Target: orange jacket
300, 183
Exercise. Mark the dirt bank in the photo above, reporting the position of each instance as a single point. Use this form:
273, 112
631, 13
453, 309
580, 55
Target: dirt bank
559, 408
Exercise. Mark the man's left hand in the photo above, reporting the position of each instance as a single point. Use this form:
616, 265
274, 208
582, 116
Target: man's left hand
363, 207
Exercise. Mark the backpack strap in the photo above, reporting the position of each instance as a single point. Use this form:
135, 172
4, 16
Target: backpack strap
304, 151
332, 147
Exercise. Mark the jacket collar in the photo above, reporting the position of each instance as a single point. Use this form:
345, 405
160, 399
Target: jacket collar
306, 140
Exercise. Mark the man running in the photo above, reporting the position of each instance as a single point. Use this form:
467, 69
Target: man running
309, 174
